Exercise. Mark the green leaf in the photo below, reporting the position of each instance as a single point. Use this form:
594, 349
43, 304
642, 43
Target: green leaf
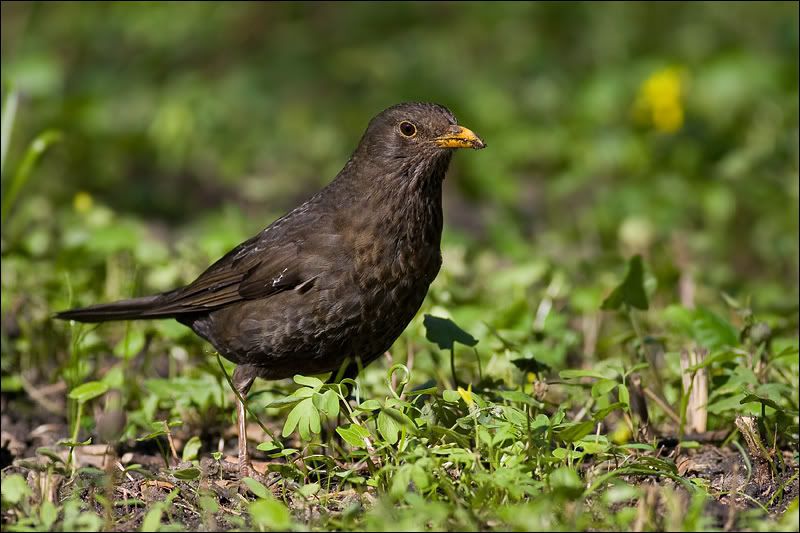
313, 423
574, 431
400, 480
73, 443
304, 392
638, 446
656, 463
48, 514
115, 377
353, 435
209, 504
130, 344
327, 402
723, 356
708, 329
564, 454
331, 403
15, 488
624, 395
514, 415
541, 421
12, 383
268, 446
712, 331
292, 420
388, 427
308, 381
590, 446
191, 448
518, 397
631, 291
450, 396
169, 498
787, 351
187, 473
87, 391
420, 392
529, 364
420, 476
602, 387
153, 435
52, 455
270, 513
308, 490
637, 366
304, 417
369, 405
286, 401
602, 413
285, 452
77, 519
400, 418
752, 398
445, 333
726, 403
256, 487
152, 520
566, 482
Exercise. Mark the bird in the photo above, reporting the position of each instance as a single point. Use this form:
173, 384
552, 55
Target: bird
329, 286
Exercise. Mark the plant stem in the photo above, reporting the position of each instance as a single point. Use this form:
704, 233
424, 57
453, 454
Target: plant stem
453, 366
76, 426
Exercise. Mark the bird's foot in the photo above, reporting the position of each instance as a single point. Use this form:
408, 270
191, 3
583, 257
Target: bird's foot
246, 469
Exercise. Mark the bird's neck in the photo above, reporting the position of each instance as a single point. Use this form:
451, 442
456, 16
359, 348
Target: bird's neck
400, 207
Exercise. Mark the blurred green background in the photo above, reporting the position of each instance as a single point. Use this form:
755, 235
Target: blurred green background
142, 141
666, 129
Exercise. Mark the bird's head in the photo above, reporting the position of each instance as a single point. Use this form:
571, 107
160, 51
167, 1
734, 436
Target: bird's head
415, 131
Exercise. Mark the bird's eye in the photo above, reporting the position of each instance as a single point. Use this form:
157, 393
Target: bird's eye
408, 129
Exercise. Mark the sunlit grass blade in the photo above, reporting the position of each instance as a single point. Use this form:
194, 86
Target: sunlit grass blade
7, 124
39, 145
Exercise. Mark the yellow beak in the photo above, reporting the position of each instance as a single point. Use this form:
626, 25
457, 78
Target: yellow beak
460, 137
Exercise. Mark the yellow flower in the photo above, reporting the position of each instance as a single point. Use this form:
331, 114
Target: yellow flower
82, 202
660, 100
621, 434
466, 395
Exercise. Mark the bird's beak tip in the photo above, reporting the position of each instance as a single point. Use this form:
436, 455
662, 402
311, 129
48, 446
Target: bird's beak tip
460, 137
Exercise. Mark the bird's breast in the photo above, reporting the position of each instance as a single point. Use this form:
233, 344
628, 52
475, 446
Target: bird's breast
401, 249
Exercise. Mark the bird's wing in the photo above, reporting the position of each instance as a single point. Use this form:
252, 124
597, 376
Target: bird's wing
257, 268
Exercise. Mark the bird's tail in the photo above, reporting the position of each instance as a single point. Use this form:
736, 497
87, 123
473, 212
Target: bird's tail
135, 308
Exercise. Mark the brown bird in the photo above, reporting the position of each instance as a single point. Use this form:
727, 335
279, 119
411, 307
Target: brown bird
336, 280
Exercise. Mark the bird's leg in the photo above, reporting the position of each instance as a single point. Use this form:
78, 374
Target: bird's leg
242, 382
244, 458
